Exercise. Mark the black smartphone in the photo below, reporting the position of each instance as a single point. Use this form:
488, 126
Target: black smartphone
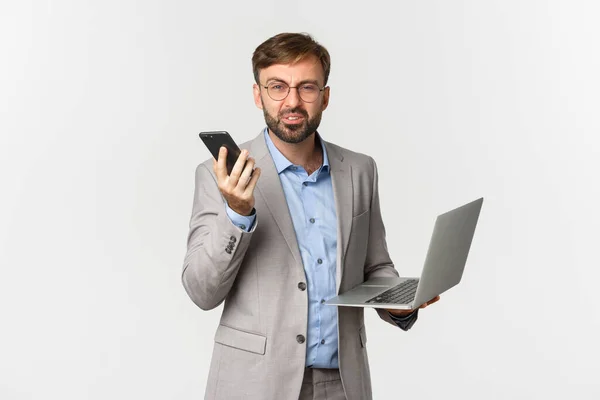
214, 141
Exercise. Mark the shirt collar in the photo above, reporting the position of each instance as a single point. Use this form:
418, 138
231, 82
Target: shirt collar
281, 162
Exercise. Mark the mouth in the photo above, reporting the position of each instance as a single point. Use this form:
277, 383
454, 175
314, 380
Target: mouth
293, 119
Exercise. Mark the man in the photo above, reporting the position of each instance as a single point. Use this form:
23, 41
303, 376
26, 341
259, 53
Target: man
296, 222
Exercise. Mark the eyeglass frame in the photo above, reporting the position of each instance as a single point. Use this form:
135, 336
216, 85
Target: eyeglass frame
297, 91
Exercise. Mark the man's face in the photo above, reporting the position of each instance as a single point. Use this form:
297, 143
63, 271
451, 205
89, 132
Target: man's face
292, 119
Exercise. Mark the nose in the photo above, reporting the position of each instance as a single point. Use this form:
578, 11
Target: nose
293, 98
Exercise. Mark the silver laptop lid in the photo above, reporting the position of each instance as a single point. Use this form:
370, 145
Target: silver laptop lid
448, 250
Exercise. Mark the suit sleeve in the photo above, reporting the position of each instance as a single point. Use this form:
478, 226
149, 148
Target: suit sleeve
215, 246
378, 263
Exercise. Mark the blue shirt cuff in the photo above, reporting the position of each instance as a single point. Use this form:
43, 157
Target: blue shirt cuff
243, 222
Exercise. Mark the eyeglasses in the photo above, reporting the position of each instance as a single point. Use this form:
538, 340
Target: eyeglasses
308, 92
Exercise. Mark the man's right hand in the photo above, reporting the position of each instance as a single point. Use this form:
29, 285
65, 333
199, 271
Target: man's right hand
237, 188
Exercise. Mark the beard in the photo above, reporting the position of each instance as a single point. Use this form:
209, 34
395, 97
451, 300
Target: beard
292, 133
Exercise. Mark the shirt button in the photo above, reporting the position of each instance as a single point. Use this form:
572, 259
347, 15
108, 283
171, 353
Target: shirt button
320, 261
305, 183
243, 226
312, 220
322, 301
302, 286
300, 339
323, 341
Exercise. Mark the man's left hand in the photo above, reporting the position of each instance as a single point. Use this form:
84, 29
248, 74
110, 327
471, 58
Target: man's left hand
404, 313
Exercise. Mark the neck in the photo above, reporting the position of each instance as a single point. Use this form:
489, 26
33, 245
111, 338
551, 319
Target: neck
305, 153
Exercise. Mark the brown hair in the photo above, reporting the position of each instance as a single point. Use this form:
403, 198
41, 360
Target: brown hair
288, 48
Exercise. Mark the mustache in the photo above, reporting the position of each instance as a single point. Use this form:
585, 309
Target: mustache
285, 113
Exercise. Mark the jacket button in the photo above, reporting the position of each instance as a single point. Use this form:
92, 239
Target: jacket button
302, 286
300, 339
228, 250
232, 239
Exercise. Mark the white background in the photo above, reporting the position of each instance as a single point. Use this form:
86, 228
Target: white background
100, 106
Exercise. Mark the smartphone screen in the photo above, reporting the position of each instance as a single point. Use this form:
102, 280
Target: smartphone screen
214, 141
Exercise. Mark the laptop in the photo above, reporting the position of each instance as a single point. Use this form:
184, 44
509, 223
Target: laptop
444, 264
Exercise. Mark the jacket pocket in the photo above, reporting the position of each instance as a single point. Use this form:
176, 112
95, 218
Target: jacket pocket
242, 340
363, 336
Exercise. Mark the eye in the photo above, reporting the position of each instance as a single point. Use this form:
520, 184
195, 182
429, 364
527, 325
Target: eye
309, 88
277, 87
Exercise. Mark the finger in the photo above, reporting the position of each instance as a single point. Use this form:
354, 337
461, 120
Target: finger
221, 167
238, 167
245, 177
253, 180
430, 302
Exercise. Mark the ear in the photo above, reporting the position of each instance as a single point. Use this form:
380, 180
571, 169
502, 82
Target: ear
257, 98
325, 98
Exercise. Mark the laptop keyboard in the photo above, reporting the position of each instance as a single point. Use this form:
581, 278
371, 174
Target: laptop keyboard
403, 293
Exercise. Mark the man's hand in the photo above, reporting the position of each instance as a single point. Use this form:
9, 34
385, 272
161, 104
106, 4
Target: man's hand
237, 188
404, 313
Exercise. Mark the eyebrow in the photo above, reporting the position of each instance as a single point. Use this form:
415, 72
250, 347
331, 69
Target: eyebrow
276, 79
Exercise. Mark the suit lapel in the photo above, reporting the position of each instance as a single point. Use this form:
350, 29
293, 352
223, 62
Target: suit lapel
271, 190
341, 178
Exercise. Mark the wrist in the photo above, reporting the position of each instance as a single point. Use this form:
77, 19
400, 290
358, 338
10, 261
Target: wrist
244, 212
400, 313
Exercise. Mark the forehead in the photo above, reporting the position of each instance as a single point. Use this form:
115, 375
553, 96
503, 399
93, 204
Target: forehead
309, 68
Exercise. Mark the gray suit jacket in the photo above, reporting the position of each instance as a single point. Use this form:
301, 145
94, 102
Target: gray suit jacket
259, 274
